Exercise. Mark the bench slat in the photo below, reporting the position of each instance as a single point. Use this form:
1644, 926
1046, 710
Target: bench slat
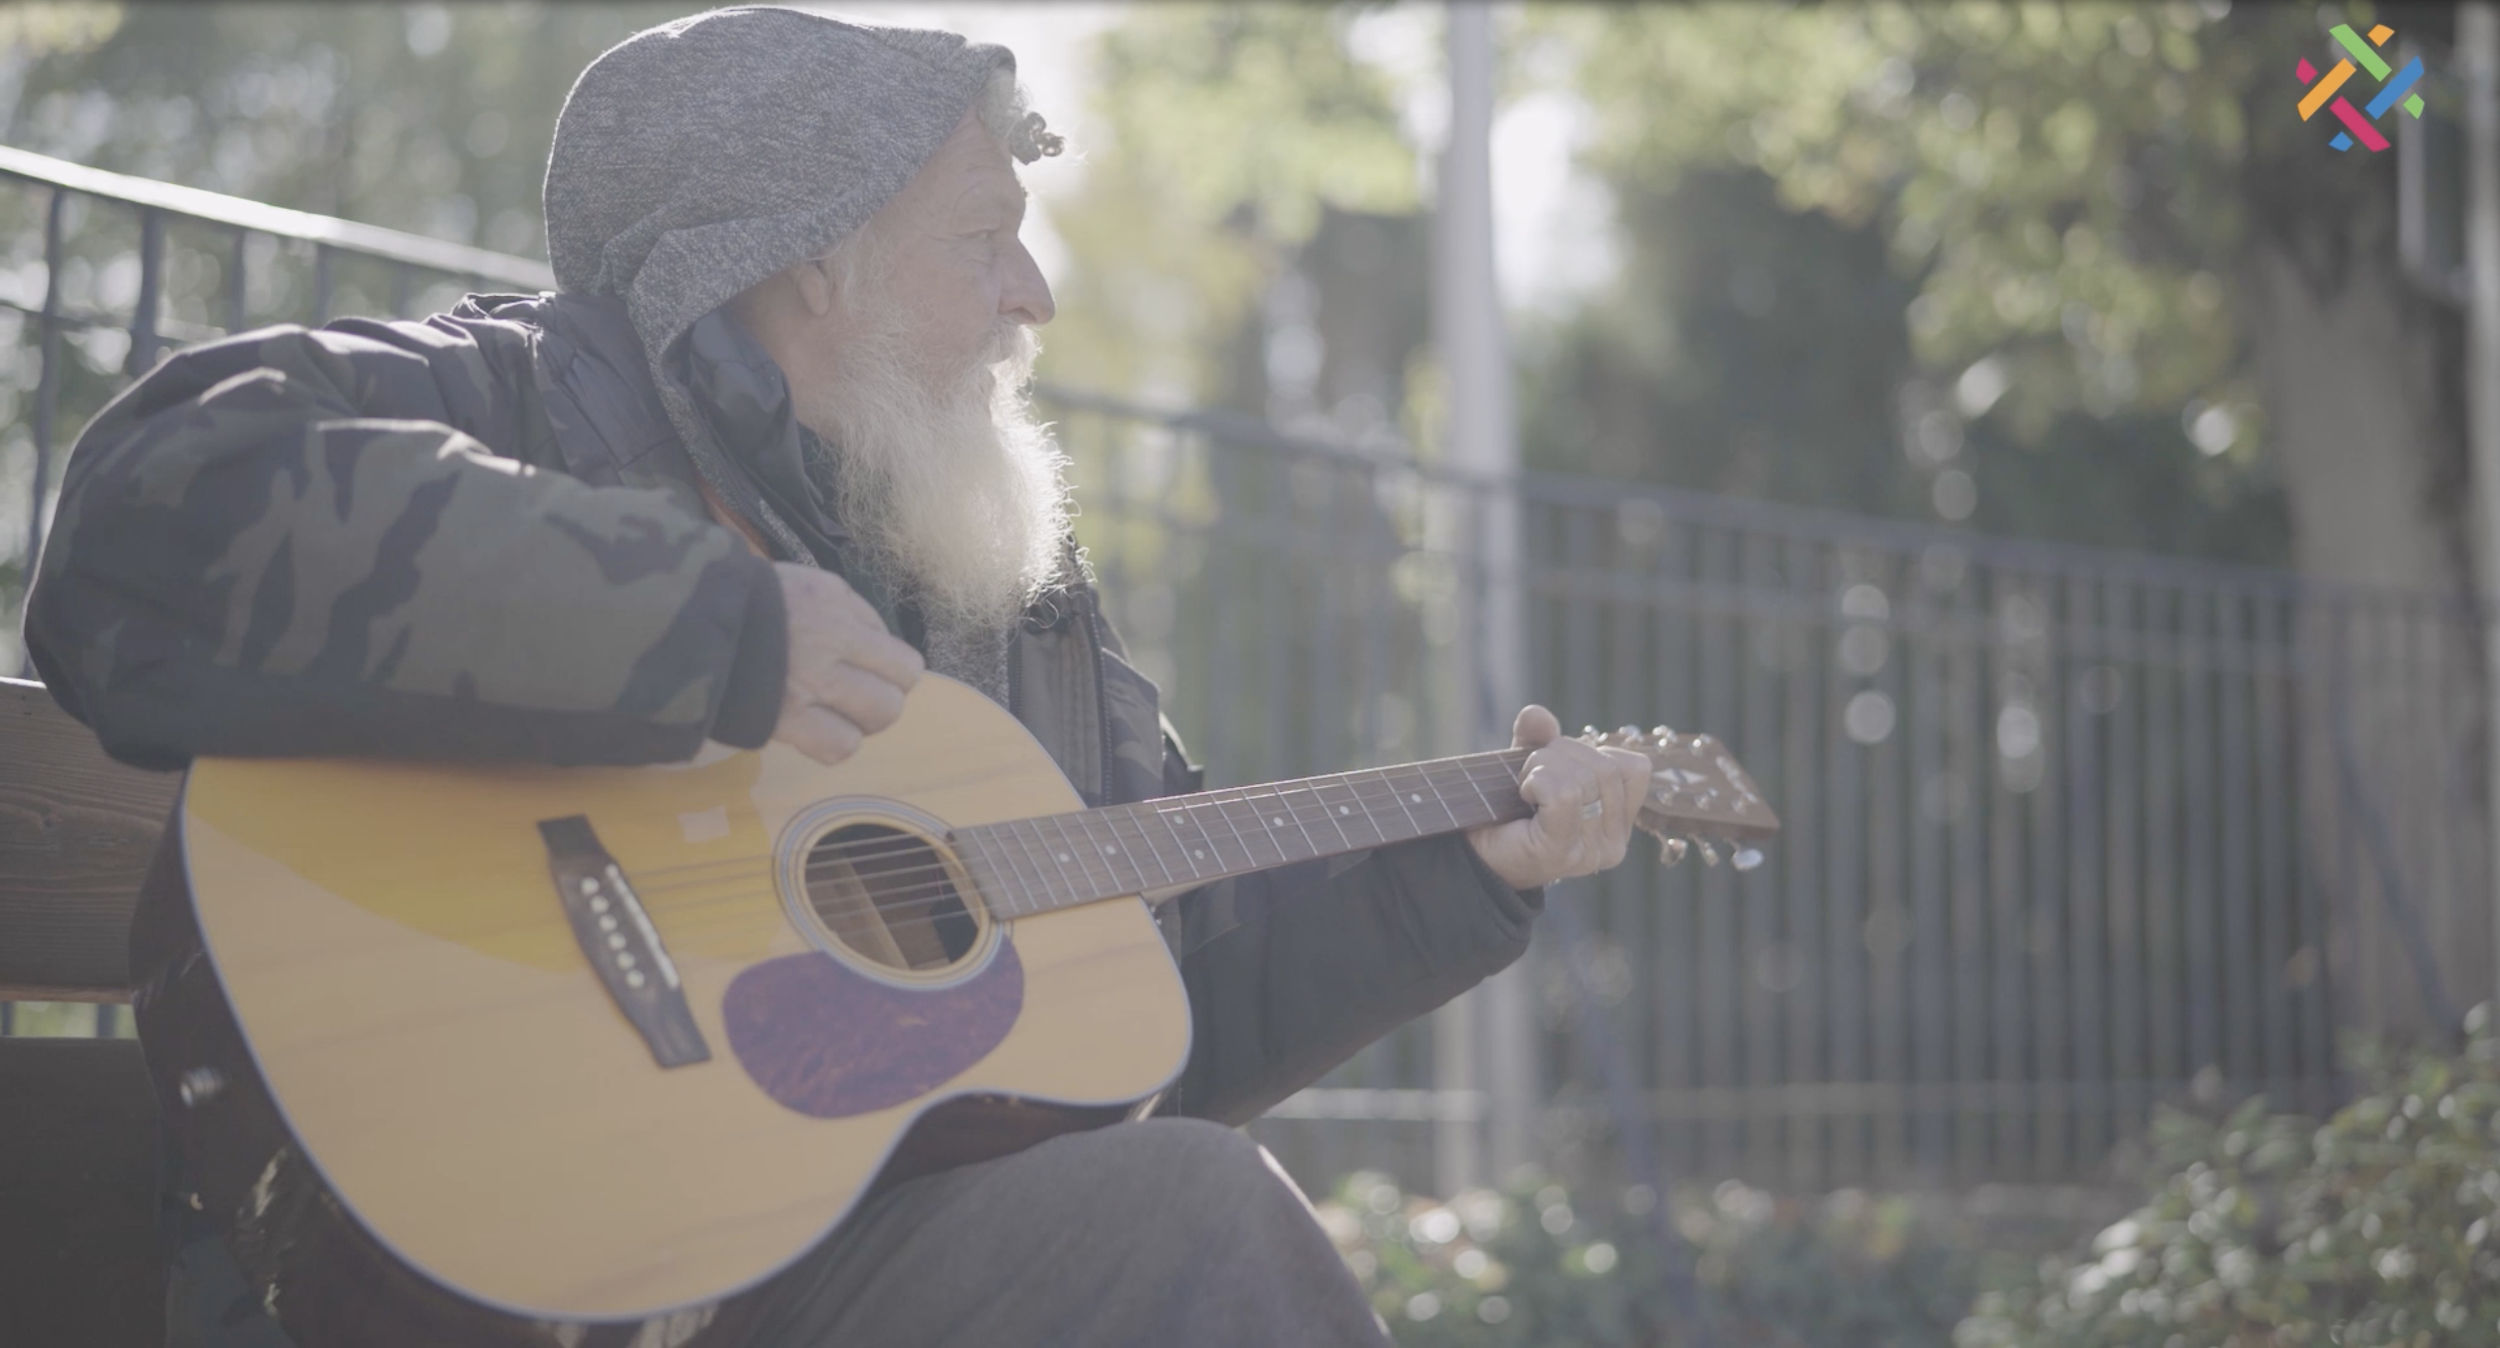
77, 831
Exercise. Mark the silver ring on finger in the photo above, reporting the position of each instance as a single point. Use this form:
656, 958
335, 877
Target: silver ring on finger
1595, 809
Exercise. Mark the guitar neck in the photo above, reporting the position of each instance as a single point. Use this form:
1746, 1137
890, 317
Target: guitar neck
1029, 866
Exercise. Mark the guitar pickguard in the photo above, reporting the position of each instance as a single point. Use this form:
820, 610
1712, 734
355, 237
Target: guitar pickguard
830, 1042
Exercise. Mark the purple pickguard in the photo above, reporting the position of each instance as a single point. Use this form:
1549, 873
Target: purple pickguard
828, 1041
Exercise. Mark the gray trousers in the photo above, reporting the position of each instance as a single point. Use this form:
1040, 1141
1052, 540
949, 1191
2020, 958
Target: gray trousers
1169, 1231
1141, 1234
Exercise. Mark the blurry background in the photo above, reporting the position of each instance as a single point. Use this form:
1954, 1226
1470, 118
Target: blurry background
2009, 426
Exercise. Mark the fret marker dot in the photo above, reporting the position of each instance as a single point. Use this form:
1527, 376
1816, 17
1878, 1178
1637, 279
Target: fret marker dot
1110, 851
1063, 856
1278, 821
1198, 854
1343, 810
1413, 796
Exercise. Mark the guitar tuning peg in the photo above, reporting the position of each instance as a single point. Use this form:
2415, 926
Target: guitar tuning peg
1588, 732
1746, 858
1670, 851
1709, 854
1663, 734
1627, 734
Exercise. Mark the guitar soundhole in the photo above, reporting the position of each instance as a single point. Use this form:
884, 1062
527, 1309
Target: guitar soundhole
889, 898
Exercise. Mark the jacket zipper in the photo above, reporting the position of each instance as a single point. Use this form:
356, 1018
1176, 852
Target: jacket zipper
1102, 700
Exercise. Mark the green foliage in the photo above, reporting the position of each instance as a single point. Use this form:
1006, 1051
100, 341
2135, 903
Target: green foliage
431, 118
37, 27
1181, 84
1226, 130
1537, 1265
434, 118
2061, 178
2374, 1230
69, 1020
2060, 197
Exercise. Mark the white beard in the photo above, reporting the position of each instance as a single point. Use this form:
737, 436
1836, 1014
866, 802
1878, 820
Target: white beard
954, 495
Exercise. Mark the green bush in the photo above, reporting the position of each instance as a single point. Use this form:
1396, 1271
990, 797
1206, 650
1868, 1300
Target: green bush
2373, 1229
2379, 1228
1534, 1265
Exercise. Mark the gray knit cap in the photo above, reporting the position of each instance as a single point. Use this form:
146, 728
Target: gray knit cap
694, 159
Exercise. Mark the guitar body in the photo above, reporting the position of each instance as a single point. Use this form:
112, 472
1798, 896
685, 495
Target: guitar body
429, 1017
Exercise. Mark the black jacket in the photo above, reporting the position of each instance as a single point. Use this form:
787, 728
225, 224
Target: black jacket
294, 481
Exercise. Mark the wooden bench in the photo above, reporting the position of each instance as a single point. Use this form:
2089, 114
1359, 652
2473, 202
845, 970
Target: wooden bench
80, 1262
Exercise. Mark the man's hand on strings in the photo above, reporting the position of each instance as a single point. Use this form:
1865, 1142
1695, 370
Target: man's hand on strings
847, 673
1585, 799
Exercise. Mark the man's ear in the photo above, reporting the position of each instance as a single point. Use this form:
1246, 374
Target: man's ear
815, 288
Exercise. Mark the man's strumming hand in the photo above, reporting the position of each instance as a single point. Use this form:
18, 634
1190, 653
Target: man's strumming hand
1564, 837
847, 673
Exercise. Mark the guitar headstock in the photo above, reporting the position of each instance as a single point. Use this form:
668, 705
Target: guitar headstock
1699, 797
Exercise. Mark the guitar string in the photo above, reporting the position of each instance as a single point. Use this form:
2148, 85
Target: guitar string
687, 925
910, 907
685, 919
861, 851
916, 905
930, 895
840, 853
748, 868
907, 900
1293, 810
749, 864
899, 917
1239, 794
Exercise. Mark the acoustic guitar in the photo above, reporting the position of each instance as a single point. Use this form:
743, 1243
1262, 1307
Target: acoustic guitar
600, 1043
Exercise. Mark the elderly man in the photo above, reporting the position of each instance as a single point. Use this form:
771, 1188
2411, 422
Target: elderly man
761, 459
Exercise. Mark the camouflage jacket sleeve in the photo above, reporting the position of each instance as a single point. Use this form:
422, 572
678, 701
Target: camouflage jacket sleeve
282, 544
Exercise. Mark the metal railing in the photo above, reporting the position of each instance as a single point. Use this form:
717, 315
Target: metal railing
114, 270
2068, 831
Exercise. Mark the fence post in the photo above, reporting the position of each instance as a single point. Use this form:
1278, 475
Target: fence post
2478, 51
47, 396
1491, 1030
144, 341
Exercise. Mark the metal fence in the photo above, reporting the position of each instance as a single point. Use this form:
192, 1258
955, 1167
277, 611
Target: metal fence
101, 273
2068, 831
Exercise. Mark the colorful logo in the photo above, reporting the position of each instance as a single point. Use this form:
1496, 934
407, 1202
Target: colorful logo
2322, 92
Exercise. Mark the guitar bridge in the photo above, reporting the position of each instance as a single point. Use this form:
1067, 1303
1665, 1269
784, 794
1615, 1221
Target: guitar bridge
623, 947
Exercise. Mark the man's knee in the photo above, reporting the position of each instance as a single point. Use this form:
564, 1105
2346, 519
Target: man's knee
1191, 1143
1191, 1168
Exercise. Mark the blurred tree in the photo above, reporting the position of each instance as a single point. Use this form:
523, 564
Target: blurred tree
2149, 307
429, 117
29, 32
1234, 137
2130, 272
432, 118
1248, 237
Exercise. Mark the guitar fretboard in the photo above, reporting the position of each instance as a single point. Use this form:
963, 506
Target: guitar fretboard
1029, 866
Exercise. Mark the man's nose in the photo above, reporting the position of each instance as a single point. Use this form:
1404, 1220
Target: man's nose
1026, 298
